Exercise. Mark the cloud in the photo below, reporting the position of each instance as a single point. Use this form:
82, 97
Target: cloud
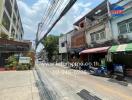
31, 16
76, 12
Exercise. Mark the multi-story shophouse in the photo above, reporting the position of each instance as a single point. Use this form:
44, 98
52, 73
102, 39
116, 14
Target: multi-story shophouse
78, 40
98, 29
95, 29
122, 25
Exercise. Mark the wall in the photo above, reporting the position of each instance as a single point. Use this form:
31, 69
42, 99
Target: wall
78, 40
114, 21
69, 35
62, 39
99, 27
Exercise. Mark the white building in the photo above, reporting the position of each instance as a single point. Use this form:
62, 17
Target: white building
65, 42
10, 21
122, 25
65, 45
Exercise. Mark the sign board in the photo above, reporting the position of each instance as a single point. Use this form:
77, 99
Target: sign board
24, 60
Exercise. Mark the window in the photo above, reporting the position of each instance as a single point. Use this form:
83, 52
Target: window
21, 36
102, 35
16, 36
14, 19
63, 44
123, 28
6, 21
81, 25
8, 7
15, 7
12, 32
130, 27
97, 36
92, 37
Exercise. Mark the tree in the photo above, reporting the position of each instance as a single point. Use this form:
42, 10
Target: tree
51, 46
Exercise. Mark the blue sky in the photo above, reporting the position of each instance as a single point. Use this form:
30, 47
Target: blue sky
31, 12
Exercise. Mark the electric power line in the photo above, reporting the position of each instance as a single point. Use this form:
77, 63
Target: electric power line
66, 9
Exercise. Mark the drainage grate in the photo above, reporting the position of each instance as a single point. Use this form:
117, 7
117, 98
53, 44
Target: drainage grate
85, 95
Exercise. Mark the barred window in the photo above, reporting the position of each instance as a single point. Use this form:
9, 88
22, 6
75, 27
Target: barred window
130, 26
102, 35
125, 26
92, 37
6, 21
97, 36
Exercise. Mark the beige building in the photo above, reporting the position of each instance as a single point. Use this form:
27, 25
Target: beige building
97, 26
10, 21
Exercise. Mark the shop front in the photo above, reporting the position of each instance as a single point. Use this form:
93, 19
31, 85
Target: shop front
96, 56
9, 48
122, 57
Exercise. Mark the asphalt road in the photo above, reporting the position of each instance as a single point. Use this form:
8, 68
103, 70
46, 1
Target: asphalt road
62, 83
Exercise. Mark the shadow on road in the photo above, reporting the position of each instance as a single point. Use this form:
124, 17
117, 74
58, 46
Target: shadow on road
85, 95
124, 83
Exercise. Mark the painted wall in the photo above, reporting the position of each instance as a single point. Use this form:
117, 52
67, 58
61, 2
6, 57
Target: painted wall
115, 20
69, 35
62, 39
107, 31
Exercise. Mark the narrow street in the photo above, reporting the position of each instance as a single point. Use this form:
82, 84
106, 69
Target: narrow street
63, 83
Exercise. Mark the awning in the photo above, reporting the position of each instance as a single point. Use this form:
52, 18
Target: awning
95, 50
121, 48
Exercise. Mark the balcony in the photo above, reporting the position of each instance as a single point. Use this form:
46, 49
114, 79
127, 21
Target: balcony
97, 20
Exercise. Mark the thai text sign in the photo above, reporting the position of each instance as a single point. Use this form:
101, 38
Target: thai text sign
24, 60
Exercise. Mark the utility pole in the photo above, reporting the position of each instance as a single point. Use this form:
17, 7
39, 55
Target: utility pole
36, 41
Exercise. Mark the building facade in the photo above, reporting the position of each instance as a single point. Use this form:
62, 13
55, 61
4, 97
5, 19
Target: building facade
65, 45
10, 21
122, 25
11, 32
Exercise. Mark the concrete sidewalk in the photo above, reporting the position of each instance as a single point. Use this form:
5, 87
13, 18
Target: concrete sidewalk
18, 85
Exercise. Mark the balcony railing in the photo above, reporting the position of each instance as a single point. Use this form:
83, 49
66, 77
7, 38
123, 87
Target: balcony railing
98, 20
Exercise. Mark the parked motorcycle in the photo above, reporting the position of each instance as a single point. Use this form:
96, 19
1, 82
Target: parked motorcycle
101, 71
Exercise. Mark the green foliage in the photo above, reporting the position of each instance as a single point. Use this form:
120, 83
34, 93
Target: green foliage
4, 36
11, 62
24, 67
51, 45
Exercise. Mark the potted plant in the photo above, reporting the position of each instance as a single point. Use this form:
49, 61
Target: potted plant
11, 63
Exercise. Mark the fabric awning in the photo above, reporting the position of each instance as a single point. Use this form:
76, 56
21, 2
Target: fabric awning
95, 50
121, 48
